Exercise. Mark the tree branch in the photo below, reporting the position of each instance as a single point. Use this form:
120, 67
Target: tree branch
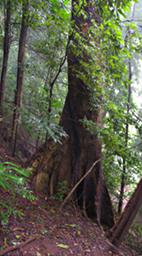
77, 184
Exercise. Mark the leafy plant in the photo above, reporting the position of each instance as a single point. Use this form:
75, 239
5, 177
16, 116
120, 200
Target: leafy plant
61, 191
11, 174
7, 210
13, 179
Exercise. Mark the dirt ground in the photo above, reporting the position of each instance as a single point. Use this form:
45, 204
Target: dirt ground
41, 229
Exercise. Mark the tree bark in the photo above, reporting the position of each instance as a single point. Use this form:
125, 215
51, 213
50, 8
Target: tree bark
6, 48
122, 226
71, 160
20, 75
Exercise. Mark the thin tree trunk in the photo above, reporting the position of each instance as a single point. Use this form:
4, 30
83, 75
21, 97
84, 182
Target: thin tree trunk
20, 75
123, 176
49, 110
51, 86
37, 140
122, 226
6, 48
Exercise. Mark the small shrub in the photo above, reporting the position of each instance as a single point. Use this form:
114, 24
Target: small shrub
61, 191
7, 210
13, 179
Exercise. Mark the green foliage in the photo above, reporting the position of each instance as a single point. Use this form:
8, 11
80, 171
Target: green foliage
61, 191
13, 179
55, 132
114, 47
138, 230
47, 38
11, 174
7, 210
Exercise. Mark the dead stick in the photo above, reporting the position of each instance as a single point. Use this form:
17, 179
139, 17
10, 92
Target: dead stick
13, 248
77, 184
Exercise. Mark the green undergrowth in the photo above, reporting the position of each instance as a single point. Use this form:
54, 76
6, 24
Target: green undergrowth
62, 190
13, 185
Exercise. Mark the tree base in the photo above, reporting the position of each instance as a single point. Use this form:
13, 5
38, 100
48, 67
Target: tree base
52, 164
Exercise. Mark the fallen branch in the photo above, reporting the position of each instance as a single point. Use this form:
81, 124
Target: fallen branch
77, 184
13, 248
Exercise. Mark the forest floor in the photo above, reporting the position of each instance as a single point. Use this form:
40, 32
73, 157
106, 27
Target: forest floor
38, 228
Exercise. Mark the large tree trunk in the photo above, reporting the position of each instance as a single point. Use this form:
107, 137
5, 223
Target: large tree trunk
6, 48
20, 75
122, 226
71, 160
